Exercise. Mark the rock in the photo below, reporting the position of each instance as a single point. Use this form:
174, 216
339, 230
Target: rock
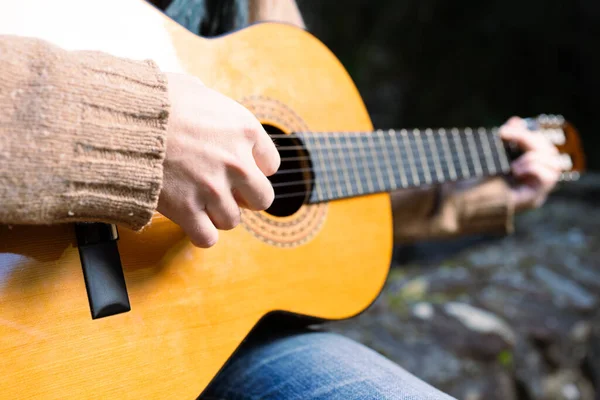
491, 382
480, 321
577, 268
415, 289
515, 318
567, 385
565, 292
570, 392
581, 332
472, 336
530, 369
593, 358
552, 329
423, 311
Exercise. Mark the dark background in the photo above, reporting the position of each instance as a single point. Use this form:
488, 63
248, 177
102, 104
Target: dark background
443, 63
439, 63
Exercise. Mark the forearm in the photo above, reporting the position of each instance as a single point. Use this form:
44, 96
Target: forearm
82, 135
437, 213
277, 11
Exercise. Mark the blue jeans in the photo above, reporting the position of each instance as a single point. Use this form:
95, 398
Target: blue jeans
314, 365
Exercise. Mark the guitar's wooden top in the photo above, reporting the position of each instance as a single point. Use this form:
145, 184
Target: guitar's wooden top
190, 307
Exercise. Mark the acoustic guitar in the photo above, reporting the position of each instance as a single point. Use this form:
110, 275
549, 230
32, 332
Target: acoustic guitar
95, 311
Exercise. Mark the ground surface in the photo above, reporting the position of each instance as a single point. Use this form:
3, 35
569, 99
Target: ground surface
510, 318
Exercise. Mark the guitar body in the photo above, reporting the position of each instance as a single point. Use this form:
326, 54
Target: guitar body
190, 308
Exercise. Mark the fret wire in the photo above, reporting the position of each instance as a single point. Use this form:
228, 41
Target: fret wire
448, 153
504, 166
325, 179
427, 157
396, 149
421, 149
358, 162
332, 158
364, 164
378, 174
347, 178
326, 167
411, 158
363, 155
470, 152
429, 160
487, 153
473, 149
436, 161
448, 161
354, 162
387, 160
461, 153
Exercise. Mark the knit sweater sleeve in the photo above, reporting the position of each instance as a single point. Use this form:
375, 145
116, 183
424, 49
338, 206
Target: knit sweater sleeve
82, 135
482, 207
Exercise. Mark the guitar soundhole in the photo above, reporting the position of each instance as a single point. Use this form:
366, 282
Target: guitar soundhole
293, 181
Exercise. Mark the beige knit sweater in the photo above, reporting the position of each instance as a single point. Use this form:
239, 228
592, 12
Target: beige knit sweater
83, 138
82, 135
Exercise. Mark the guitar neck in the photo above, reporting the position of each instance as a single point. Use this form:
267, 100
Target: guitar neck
354, 164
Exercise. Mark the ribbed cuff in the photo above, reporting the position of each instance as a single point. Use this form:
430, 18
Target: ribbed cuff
116, 171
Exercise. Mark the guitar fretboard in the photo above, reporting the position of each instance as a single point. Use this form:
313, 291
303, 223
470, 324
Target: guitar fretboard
352, 163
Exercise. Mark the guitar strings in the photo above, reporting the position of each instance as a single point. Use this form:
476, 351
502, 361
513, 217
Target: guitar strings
344, 146
336, 183
418, 170
385, 190
415, 150
415, 168
420, 165
395, 132
449, 137
331, 181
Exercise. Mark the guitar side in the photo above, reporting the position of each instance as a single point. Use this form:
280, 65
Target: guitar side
191, 308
